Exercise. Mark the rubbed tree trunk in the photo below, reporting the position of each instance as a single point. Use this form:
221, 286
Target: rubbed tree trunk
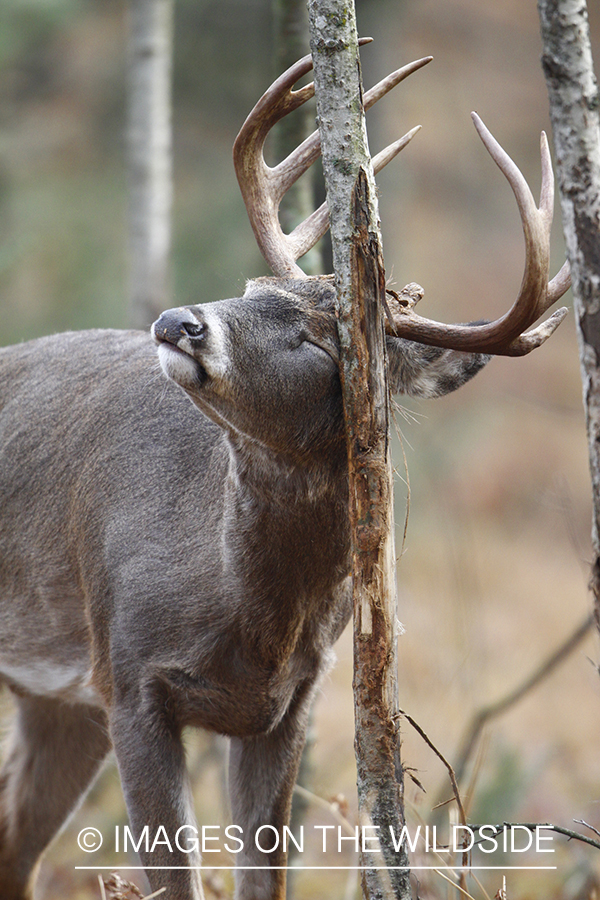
150, 25
360, 282
573, 91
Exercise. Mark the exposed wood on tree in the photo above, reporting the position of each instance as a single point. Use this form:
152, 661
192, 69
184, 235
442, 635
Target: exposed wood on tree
573, 91
360, 281
150, 24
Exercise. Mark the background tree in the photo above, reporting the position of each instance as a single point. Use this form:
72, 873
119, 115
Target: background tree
149, 168
574, 109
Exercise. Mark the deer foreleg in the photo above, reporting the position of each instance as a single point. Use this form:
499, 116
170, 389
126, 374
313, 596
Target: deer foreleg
53, 754
262, 775
151, 763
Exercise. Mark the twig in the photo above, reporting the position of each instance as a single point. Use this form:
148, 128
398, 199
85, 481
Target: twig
574, 835
453, 782
566, 832
439, 754
454, 884
437, 850
325, 804
587, 825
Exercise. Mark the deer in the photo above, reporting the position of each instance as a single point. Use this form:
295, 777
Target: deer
174, 538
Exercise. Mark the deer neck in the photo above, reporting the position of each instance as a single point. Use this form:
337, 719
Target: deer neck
286, 533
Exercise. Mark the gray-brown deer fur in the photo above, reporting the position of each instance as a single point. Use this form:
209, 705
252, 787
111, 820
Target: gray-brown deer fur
166, 563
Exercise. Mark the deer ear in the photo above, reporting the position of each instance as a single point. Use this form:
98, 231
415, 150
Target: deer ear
423, 371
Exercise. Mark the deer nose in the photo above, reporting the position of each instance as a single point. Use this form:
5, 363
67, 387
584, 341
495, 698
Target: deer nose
175, 324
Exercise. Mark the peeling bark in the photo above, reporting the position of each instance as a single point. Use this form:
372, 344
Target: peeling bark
573, 92
360, 282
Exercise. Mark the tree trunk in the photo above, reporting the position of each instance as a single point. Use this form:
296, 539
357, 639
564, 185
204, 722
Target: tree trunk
149, 157
360, 282
573, 91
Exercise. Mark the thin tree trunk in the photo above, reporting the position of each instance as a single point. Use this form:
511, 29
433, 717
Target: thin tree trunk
573, 91
360, 282
150, 24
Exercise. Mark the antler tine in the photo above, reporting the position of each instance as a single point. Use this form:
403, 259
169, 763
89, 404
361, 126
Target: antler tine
310, 230
303, 156
559, 284
277, 101
381, 159
386, 84
505, 335
536, 230
255, 178
263, 187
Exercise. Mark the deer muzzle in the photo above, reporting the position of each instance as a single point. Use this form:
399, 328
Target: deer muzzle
179, 327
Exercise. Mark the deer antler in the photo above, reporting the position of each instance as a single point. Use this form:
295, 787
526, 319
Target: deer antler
263, 187
505, 335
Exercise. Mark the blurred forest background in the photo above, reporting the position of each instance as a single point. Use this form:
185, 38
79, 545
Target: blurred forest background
494, 572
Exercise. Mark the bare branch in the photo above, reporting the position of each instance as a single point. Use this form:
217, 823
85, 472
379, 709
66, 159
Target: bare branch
532, 826
461, 810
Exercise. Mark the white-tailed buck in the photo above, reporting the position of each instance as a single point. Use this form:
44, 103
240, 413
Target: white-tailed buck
166, 563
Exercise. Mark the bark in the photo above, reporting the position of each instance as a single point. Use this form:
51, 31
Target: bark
150, 24
573, 91
360, 282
